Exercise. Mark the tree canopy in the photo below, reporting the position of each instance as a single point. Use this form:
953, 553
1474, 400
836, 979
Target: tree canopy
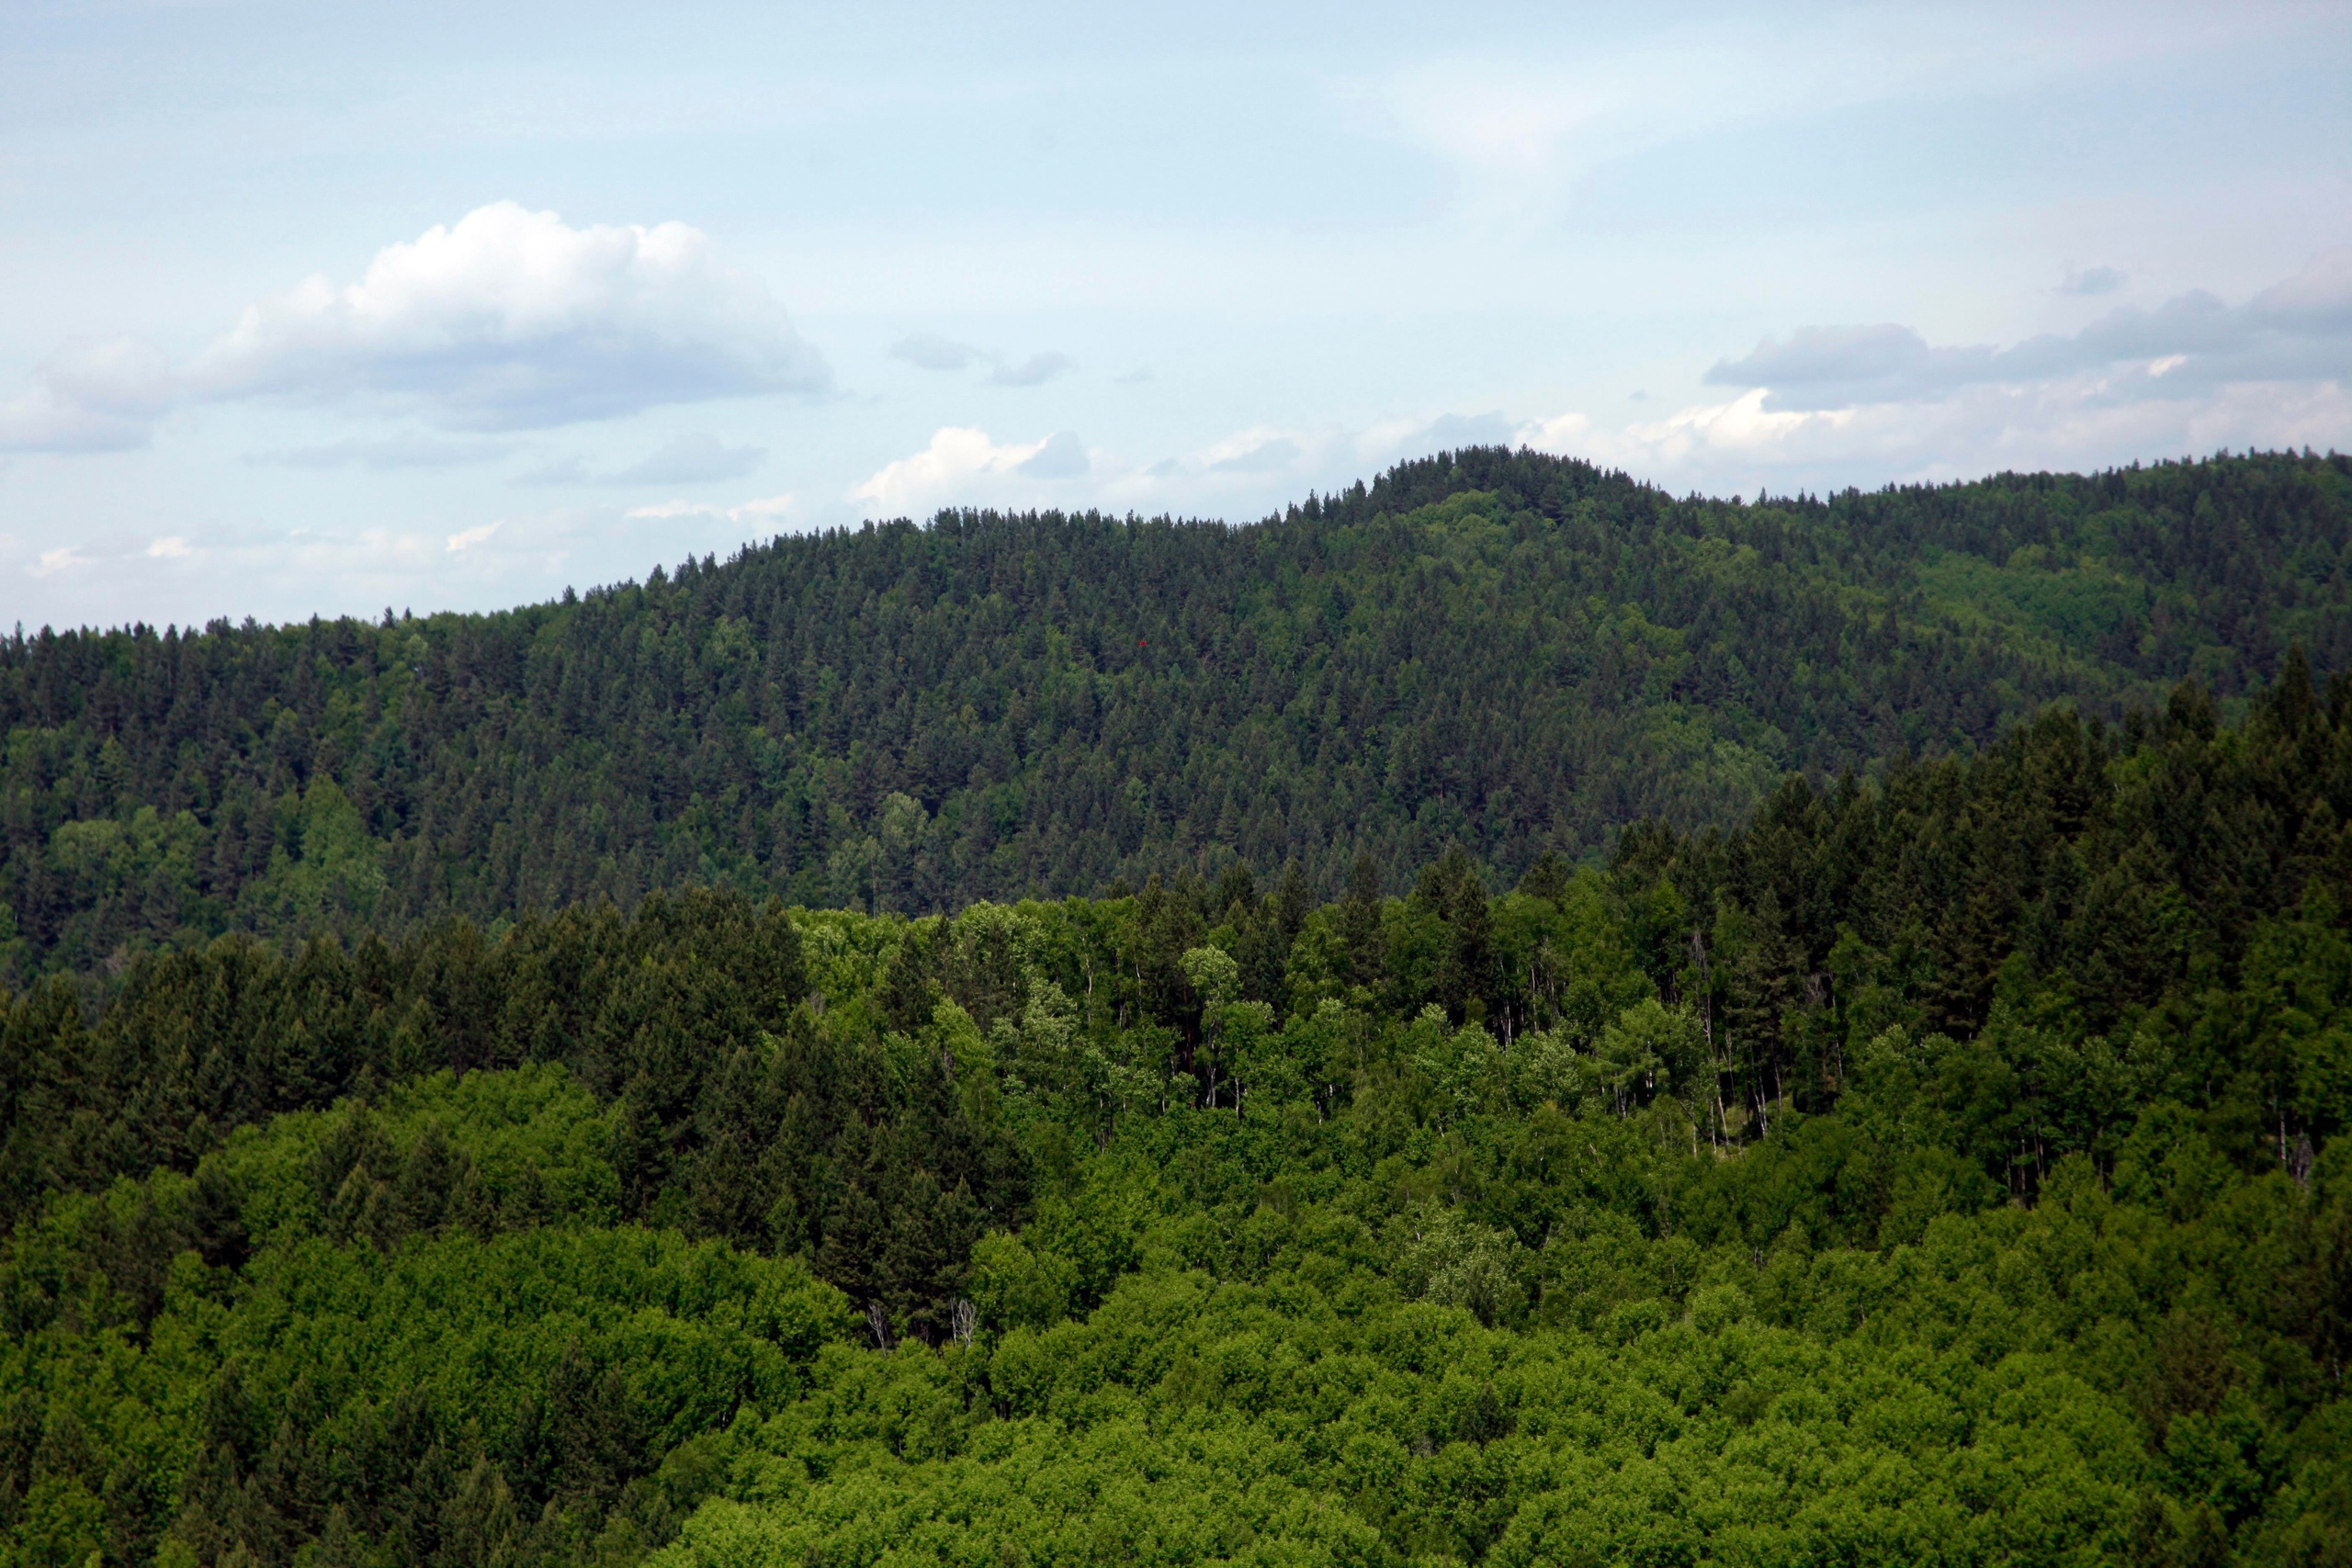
1514, 653
1496, 1017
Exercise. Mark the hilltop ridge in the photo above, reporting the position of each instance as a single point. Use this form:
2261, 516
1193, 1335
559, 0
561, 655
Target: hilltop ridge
1510, 652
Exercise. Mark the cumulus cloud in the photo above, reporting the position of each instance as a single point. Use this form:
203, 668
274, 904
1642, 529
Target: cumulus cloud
507, 319
961, 461
691, 459
511, 320
2297, 329
1063, 457
63, 558
1742, 429
91, 397
1568, 433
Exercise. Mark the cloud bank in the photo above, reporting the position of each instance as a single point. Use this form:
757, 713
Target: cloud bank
507, 319
1820, 407
2298, 330
91, 397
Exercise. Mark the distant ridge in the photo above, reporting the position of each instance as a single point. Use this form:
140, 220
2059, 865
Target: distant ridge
1511, 651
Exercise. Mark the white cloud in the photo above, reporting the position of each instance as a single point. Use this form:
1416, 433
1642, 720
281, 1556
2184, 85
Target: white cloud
91, 397
507, 319
1829, 406
1063, 457
2074, 424
1565, 432
64, 559
469, 537
1742, 428
114, 549
954, 467
511, 320
767, 508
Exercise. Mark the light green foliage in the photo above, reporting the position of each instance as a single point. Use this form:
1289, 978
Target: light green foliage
693, 1328
1464, 1064
1647, 1051
1214, 976
1444, 1257
1947, 1170
559, 1358
531, 1144
1014, 1287
152, 857
1315, 1418
1547, 1069
330, 877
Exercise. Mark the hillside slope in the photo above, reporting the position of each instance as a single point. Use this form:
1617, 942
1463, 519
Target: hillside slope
1510, 652
1945, 1170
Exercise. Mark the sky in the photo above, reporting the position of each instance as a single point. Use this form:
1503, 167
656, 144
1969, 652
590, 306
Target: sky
327, 309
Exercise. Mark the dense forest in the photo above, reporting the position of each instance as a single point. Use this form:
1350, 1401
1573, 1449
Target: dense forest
1940, 1164
1509, 652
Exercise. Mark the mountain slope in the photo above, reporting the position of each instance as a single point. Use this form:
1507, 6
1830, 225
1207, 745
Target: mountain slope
1510, 652
1948, 1169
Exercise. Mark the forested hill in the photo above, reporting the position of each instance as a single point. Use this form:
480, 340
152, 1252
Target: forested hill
1508, 651
1947, 1171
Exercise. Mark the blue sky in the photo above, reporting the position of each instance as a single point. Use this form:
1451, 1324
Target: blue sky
318, 308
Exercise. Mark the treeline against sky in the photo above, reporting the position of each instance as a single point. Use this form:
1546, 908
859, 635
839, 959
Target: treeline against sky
1944, 1168
1510, 652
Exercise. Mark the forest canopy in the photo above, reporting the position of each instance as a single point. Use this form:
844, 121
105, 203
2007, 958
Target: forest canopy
1509, 652
1499, 1018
